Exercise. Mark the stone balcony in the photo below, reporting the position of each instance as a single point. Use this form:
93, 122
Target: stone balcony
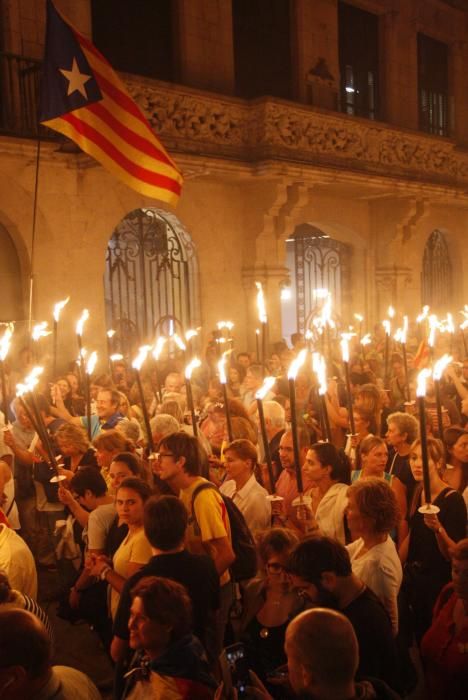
201, 123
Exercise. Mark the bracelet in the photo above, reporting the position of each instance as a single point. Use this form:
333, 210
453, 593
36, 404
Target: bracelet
104, 573
439, 530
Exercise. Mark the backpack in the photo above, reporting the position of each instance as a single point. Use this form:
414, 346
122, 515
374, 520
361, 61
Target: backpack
245, 563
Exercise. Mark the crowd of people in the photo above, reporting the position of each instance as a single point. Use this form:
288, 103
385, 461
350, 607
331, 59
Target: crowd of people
184, 558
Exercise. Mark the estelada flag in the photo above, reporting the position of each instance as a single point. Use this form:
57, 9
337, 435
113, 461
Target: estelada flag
83, 98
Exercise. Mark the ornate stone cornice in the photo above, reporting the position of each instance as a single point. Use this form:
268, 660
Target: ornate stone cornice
194, 122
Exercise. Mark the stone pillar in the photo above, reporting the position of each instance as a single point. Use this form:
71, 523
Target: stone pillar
206, 54
399, 75
458, 63
317, 72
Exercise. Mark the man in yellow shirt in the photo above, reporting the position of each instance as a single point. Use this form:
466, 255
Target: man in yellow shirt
208, 532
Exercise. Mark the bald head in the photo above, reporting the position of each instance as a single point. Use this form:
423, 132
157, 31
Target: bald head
24, 642
322, 652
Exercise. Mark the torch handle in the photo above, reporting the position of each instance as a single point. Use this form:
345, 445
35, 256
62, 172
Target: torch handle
145, 412
350, 398
88, 406
424, 453
188, 391
326, 418
440, 424
228, 413
297, 461
266, 445
4, 392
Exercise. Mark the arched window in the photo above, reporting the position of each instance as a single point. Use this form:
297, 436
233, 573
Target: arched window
436, 276
316, 261
151, 273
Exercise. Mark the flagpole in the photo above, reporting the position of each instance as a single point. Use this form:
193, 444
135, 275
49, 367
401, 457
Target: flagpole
33, 231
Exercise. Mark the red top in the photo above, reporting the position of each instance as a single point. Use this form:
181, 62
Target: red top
444, 652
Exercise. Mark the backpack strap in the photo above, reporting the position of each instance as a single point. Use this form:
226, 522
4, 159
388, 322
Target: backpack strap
199, 489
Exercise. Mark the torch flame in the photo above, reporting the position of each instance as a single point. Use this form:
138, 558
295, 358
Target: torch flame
387, 325
40, 331
359, 318
81, 322
366, 339
400, 335
320, 369
421, 381
191, 333
141, 357
423, 315
33, 378
433, 326
225, 324
5, 341
296, 364
391, 312
111, 333
221, 369
58, 308
262, 314
91, 364
179, 342
268, 382
116, 357
440, 366
191, 366
345, 338
157, 350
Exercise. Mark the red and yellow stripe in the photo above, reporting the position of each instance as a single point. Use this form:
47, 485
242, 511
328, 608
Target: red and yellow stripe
115, 132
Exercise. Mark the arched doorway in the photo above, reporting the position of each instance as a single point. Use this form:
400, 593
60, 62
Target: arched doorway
436, 275
11, 298
315, 261
151, 273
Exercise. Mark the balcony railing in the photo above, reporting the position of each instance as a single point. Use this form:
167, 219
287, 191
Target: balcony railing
194, 122
19, 91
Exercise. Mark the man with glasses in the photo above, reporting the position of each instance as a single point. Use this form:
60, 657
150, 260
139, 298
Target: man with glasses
320, 570
208, 532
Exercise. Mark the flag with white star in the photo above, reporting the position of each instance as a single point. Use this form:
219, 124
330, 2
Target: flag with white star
84, 99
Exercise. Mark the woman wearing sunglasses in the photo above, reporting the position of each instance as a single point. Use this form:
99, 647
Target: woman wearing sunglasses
269, 605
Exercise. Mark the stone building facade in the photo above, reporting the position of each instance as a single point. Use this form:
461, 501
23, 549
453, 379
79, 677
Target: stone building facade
378, 203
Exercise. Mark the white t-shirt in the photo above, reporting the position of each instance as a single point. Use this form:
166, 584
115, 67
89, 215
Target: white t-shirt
251, 501
17, 561
99, 524
380, 569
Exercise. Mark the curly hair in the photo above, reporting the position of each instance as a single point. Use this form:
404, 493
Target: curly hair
376, 500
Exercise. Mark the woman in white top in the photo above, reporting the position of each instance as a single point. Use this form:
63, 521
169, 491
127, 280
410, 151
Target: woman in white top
135, 550
372, 513
329, 469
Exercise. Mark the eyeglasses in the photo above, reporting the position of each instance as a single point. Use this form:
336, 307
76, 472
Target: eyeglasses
160, 455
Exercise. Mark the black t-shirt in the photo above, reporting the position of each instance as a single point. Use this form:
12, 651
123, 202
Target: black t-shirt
399, 466
377, 649
196, 572
423, 547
